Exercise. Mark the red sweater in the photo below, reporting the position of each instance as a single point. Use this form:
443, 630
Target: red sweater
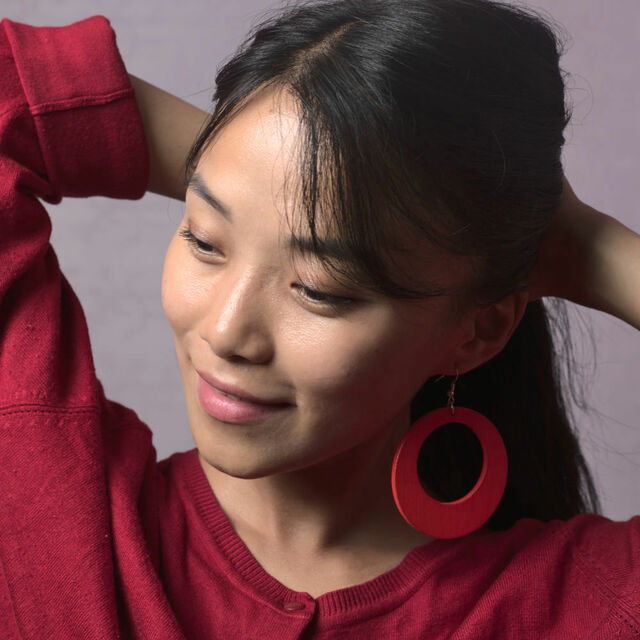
98, 540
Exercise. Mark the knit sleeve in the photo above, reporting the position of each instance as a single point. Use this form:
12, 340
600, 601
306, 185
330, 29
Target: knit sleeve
72, 465
609, 552
69, 126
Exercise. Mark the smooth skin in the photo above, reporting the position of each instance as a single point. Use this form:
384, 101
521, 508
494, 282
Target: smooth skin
309, 491
590, 258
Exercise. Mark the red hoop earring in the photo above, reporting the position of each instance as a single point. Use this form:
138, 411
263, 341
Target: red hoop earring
459, 517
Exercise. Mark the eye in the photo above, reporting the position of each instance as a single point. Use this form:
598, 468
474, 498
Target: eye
197, 245
309, 294
320, 297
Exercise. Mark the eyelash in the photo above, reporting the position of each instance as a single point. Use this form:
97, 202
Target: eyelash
198, 245
313, 295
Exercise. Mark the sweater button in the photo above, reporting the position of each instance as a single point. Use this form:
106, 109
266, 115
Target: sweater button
293, 605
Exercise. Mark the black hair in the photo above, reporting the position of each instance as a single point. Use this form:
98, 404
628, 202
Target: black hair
445, 117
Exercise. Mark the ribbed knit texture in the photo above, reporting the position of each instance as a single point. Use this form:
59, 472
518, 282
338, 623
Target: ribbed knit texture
98, 540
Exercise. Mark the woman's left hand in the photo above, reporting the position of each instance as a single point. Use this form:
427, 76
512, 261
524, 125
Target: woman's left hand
563, 249
589, 258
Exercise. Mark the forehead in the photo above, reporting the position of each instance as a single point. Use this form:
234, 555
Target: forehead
261, 136
254, 162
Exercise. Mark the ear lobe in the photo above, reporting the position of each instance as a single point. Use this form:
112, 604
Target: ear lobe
491, 329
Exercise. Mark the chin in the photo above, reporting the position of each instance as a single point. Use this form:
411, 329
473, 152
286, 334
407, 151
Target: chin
240, 466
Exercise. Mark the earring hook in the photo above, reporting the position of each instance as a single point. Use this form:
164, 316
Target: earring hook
451, 392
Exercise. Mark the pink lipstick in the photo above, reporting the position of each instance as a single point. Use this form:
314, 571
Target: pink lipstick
227, 408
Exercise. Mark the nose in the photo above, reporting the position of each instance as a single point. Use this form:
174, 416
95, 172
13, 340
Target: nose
236, 324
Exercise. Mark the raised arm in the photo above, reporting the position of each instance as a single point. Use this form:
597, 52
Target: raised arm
590, 258
171, 125
71, 462
69, 126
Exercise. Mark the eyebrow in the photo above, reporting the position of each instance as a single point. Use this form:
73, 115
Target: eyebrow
197, 185
302, 245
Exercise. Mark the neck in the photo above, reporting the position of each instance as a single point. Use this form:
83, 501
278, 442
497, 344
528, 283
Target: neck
344, 502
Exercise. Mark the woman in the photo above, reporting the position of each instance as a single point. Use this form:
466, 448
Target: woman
372, 215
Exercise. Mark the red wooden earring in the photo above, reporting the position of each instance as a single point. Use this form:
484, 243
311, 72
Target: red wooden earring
459, 517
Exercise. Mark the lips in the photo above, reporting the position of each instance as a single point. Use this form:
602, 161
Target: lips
218, 404
229, 395
238, 394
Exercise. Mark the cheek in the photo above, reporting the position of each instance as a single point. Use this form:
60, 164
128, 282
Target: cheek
182, 291
374, 369
344, 363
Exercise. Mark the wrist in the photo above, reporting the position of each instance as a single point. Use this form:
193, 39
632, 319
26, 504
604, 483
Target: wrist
611, 282
171, 125
597, 263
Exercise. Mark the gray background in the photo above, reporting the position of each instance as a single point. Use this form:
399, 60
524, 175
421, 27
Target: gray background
112, 252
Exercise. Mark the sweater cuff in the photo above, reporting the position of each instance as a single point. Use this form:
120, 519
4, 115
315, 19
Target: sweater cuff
84, 108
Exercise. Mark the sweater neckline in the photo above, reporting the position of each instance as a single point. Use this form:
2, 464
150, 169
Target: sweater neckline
399, 582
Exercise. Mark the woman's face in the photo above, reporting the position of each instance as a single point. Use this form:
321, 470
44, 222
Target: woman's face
240, 314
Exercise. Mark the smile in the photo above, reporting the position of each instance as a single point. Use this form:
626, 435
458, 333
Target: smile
228, 408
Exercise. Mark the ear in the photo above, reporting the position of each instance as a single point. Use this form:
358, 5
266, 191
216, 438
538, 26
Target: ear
485, 331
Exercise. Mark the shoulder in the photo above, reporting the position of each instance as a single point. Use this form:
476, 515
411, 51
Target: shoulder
588, 563
544, 577
573, 578
609, 550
